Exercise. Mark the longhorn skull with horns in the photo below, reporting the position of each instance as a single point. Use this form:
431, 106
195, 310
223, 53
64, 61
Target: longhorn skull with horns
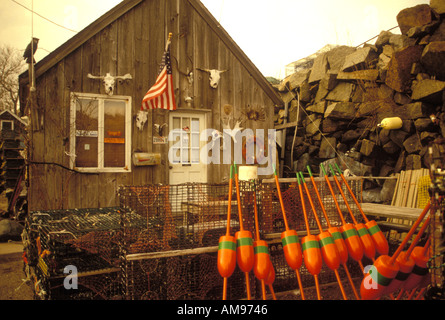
214, 76
110, 81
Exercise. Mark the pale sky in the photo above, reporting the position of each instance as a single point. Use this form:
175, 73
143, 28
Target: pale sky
271, 33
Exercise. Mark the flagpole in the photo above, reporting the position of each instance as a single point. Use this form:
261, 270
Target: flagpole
170, 36
161, 94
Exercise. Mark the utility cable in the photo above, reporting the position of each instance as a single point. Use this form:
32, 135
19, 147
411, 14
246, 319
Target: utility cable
32, 11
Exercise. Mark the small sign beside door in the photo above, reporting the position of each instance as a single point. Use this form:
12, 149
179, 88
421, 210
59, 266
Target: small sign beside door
160, 140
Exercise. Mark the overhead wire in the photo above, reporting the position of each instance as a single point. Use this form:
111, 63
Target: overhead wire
37, 14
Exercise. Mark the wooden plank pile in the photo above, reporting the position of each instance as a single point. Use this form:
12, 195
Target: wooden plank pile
411, 191
409, 183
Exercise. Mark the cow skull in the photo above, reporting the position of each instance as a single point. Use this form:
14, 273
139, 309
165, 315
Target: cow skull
141, 119
110, 81
214, 76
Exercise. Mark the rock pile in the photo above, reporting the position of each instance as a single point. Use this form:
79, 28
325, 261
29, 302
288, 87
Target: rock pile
348, 91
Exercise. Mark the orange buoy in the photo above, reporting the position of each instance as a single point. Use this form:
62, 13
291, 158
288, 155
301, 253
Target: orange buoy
378, 278
420, 257
329, 250
312, 254
226, 260
385, 268
261, 259
340, 244
406, 265
244, 250
406, 261
349, 233
310, 245
379, 239
368, 244
226, 256
292, 249
365, 238
270, 280
334, 231
353, 242
290, 240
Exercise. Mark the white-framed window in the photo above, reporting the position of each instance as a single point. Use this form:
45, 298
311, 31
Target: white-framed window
7, 125
100, 133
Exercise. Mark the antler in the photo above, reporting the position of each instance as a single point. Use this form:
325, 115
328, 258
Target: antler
125, 77
94, 77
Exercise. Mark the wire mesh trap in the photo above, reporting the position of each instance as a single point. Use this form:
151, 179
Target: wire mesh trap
161, 243
86, 239
170, 241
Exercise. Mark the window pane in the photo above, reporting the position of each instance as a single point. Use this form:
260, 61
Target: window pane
86, 133
195, 155
6, 125
87, 113
186, 124
195, 140
176, 123
114, 133
195, 125
86, 151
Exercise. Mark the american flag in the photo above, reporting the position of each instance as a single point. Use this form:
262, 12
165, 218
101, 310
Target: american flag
161, 95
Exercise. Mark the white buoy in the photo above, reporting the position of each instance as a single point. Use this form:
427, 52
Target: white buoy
393, 123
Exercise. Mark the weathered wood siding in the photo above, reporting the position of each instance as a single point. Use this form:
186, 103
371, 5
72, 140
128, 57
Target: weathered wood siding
134, 43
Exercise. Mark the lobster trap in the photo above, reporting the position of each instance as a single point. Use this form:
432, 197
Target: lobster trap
80, 242
170, 241
272, 224
436, 262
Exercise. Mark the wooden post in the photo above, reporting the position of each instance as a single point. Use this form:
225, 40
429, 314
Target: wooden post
283, 143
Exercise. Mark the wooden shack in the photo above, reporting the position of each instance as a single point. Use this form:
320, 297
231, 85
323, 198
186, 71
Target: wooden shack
85, 143
12, 145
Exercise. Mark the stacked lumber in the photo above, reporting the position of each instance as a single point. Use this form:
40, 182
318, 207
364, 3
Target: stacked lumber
406, 192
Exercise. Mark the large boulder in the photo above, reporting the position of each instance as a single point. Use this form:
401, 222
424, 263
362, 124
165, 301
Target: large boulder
417, 16
341, 110
438, 6
398, 76
342, 92
319, 69
432, 59
428, 90
360, 59
10, 230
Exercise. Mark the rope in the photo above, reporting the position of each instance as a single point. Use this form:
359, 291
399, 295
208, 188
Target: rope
295, 132
318, 129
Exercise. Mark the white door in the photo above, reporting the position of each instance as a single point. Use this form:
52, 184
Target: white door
185, 147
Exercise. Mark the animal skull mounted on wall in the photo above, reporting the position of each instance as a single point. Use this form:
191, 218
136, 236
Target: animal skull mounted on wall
110, 81
141, 119
214, 76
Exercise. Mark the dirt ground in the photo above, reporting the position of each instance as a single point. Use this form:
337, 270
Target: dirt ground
12, 284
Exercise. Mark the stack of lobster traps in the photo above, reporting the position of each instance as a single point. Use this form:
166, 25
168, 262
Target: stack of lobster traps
170, 242
73, 254
161, 242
